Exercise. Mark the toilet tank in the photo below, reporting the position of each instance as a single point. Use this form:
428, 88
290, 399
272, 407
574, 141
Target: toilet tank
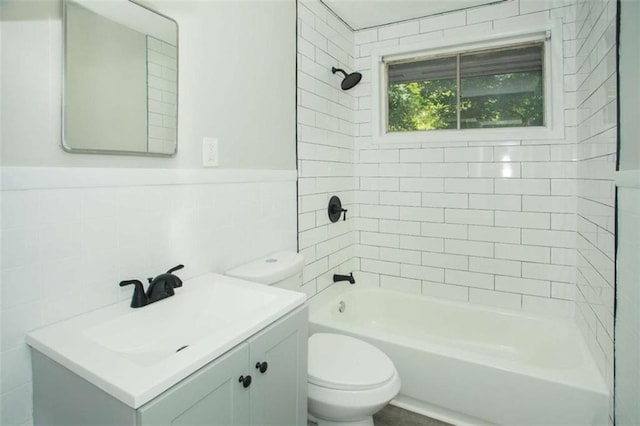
282, 269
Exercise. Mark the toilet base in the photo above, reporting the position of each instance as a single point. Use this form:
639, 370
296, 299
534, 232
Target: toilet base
368, 421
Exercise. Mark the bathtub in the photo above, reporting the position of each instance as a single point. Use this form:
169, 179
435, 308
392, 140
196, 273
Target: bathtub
465, 364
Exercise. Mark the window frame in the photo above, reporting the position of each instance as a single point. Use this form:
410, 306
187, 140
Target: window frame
553, 75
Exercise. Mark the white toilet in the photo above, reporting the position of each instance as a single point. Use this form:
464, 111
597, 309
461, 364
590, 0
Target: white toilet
348, 380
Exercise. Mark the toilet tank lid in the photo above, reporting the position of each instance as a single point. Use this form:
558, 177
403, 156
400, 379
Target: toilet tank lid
270, 269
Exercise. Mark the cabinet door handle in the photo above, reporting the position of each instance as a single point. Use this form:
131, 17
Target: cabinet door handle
245, 380
262, 366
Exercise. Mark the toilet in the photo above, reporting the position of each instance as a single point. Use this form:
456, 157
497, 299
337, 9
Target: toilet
349, 380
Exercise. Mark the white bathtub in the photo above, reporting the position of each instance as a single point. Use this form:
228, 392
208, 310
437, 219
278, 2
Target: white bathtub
472, 365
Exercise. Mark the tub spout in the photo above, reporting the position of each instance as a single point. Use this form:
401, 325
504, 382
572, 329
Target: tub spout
338, 277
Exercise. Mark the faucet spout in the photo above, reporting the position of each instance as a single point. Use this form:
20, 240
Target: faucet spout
139, 298
338, 277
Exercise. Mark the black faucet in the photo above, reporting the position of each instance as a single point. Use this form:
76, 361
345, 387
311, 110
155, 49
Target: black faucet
160, 288
139, 298
337, 277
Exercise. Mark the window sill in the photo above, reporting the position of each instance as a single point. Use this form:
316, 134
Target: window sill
471, 135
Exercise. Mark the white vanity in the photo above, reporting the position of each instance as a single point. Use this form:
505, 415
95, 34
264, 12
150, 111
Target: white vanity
222, 351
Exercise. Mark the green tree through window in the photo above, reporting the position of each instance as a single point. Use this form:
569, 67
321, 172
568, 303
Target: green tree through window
422, 105
500, 88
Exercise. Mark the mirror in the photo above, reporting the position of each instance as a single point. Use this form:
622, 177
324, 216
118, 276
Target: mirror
120, 79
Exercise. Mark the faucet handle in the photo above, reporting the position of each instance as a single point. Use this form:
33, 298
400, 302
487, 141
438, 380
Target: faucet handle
175, 268
139, 298
177, 282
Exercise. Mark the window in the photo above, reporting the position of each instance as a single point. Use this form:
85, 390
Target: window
493, 89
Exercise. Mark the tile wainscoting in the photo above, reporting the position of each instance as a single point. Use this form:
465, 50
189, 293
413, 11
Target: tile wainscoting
70, 235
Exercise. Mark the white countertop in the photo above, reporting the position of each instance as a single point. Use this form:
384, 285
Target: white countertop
131, 353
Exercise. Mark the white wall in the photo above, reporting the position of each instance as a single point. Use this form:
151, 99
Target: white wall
66, 248
247, 78
627, 324
325, 144
73, 226
443, 219
235, 84
629, 65
597, 115
627, 342
486, 222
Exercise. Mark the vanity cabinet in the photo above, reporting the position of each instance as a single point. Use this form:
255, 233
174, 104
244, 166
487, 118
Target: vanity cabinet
213, 395
279, 395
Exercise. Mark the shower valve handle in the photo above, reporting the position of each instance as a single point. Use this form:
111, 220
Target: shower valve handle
336, 209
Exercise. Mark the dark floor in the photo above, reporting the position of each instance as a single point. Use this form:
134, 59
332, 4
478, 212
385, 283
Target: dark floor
395, 416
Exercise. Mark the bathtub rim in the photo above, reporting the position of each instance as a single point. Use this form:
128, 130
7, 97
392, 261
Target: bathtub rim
593, 383
336, 289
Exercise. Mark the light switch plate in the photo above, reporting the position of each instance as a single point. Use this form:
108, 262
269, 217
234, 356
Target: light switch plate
209, 152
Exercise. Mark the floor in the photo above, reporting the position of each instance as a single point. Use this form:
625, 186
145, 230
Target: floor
395, 416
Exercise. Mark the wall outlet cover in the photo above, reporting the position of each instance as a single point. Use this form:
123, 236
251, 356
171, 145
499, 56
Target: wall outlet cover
210, 152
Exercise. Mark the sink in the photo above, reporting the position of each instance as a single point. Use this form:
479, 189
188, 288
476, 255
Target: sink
136, 354
147, 335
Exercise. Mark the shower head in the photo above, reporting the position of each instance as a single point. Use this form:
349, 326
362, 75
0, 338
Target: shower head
349, 80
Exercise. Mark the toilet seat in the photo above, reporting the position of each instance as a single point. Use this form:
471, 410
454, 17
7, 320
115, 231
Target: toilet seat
344, 363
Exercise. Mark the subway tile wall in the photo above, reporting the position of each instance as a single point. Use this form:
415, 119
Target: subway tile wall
491, 223
162, 78
596, 88
326, 134
65, 250
520, 224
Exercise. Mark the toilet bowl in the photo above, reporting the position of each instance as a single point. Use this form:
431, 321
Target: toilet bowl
348, 380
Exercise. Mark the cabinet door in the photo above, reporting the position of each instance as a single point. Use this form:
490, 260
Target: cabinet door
211, 396
279, 395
